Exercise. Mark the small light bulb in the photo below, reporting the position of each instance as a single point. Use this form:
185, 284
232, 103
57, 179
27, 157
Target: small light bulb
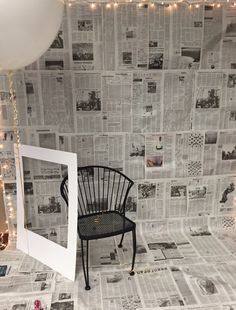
93, 6
197, 6
140, 5
190, 6
152, 5
130, 0
162, 3
9, 204
115, 4
108, 5
218, 5
69, 4
175, 5
11, 209
170, 6
1, 146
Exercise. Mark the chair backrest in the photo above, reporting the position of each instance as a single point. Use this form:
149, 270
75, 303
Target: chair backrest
100, 189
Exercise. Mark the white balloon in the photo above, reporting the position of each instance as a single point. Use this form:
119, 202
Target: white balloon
27, 29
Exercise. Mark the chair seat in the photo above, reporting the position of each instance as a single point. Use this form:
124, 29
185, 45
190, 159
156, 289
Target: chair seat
102, 225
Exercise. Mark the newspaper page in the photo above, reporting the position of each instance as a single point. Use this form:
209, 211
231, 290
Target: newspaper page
65, 294
134, 156
29, 264
57, 57
43, 137
158, 288
212, 37
87, 100
103, 252
176, 198
92, 300
226, 271
202, 307
209, 98
116, 101
188, 154
147, 98
109, 38
132, 36
226, 153
187, 24
177, 100
150, 200
185, 247
34, 103
6, 117
86, 36
201, 197
25, 302
119, 291
27, 283
126, 252
64, 143
131, 203
228, 110
84, 147
198, 232
159, 157
46, 212
35, 169
207, 284
225, 196
10, 261
210, 152
223, 228
229, 38
160, 245
57, 100
108, 151
159, 36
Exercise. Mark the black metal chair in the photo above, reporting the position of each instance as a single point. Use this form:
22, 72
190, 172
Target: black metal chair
102, 195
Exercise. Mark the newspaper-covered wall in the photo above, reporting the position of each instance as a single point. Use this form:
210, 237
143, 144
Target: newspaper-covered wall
151, 91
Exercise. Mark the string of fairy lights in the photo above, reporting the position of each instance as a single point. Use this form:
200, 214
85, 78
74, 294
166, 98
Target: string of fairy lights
152, 4
10, 210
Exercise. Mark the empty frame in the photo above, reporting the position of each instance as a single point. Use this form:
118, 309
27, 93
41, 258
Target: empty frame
46, 227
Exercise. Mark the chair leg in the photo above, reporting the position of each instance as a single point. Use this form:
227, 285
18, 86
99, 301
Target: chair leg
121, 240
86, 273
134, 252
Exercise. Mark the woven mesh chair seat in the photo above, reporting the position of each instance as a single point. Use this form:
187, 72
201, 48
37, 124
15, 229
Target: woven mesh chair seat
95, 226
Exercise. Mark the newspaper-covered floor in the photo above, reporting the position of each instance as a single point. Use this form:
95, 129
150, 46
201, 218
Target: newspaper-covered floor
181, 264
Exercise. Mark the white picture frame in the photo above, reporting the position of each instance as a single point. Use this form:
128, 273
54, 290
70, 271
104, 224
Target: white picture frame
57, 257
